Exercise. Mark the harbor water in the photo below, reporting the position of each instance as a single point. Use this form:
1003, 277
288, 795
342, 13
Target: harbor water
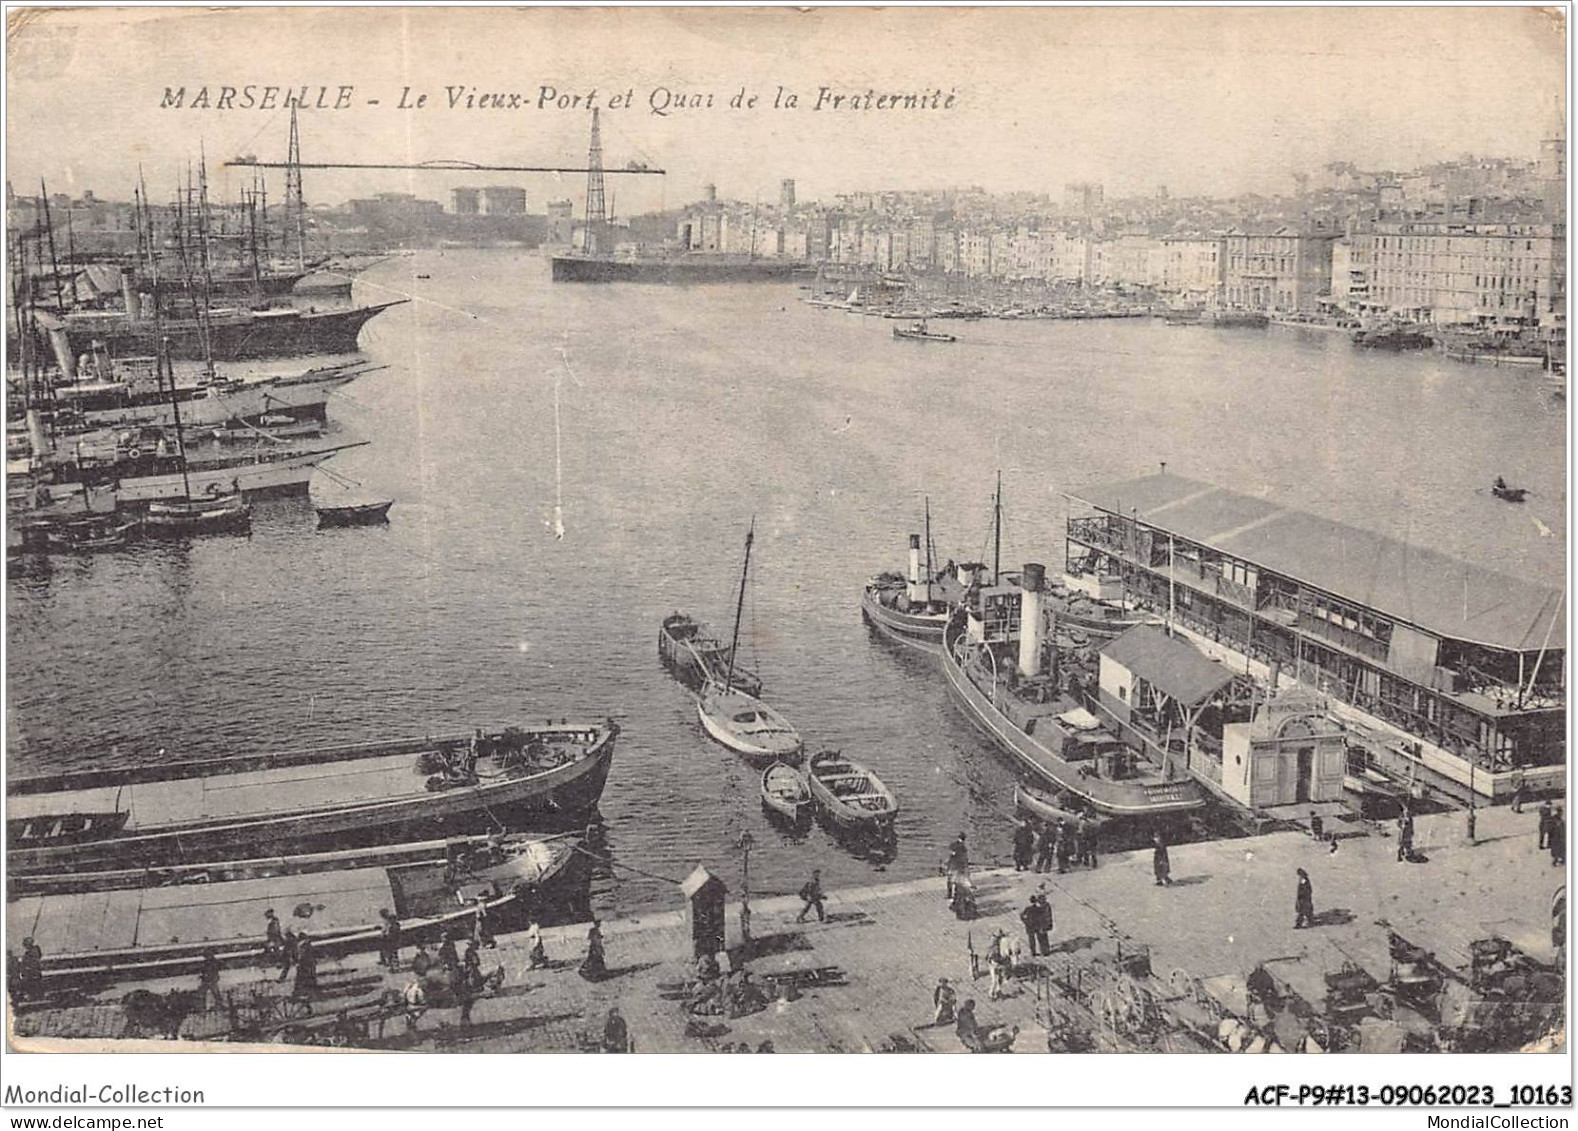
682, 414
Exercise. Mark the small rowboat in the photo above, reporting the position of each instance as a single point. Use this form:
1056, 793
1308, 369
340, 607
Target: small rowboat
1044, 806
850, 795
356, 514
786, 793
748, 726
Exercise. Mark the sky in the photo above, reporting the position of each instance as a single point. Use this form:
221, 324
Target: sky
1205, 101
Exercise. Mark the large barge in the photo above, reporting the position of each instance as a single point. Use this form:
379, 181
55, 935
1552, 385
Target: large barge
308, 800
160, 922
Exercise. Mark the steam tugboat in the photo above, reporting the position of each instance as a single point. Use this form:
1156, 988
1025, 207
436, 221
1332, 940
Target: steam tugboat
995, 659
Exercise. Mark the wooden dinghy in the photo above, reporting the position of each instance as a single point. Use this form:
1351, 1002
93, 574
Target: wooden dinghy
748, 726
307, 800
786, 793
159, 922
354, 514
1048, 807
850, 795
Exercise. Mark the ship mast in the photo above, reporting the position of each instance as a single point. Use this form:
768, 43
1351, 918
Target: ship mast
929, 566
596, 212
739, 608
168, 367
997, 531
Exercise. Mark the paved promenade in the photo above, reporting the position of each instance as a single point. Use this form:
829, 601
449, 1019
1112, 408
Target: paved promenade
1230, 908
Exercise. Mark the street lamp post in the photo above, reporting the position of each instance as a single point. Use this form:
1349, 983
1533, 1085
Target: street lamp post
747, 842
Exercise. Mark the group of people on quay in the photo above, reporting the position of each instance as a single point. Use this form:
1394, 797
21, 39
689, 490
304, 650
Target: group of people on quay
1065, 843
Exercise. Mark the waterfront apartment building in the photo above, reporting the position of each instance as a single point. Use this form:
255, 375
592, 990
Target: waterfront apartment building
1455, 271
504, 200
1192, 267
1445, 668
1287, 270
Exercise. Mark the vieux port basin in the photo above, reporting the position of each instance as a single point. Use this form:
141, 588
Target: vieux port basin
585, 583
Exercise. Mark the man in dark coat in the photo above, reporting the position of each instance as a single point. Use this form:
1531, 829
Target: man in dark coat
1045, 846
1161, 863
1304, 903
616, 1034
208, 980
389, 940
1088, 843
31, 970
448, 956
306, 969
1062, 847
290, 947
1558, 838
1024, 845
811, 896
1545, 823
273, 937
1038, 922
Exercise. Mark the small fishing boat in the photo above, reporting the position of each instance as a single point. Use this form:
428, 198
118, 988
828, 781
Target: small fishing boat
786, 793
1239, 319
1509, 494
161, 922
850, 795
748, 726
696, 657
81, 534
919, 333
354, 514
737, 718
217, 513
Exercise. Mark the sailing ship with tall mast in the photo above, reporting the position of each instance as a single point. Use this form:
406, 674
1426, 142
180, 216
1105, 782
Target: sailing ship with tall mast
738, 719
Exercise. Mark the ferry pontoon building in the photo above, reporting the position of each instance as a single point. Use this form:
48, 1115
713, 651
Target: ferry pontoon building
1434, 664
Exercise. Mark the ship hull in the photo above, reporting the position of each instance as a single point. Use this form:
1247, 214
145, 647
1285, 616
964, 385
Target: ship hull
683, 270
233, 337
559, 797
254, 478
1112, 798
920, 632
218, 909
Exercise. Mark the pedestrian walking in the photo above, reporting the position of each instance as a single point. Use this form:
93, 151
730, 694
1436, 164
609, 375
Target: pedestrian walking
997, 966
1031, 918
1045, 846
1038, 924
943, 1000
1062, 848
482, 925
1024, 845
538, 957
306, 969
1545, 823
31, 969
595, 965
208, 981
273, 937
290, 947
1558, 838
1304, 903
1317, 826
1089, 842
811, 896
389, 939
616, 1034
1517, 790
1405, 836
448, 956
1161, 863
957, 867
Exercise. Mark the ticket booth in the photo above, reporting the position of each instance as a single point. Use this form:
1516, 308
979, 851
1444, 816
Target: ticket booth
704, 896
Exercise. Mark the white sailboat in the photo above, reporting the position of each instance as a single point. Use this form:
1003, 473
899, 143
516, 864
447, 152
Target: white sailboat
741, 721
